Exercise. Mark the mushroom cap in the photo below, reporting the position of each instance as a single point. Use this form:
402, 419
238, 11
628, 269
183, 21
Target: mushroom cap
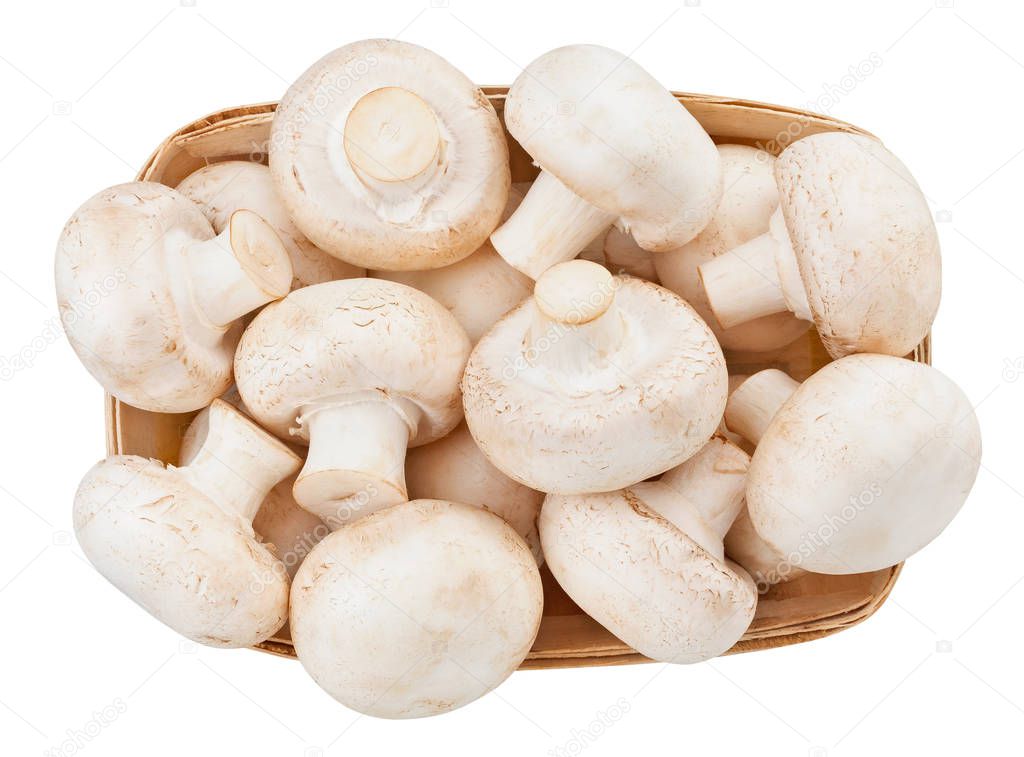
664, 389
435, 224
453, 468
864, 241
416, 609
864, 465
220, 189
749, 198
658, 171
479, 289
343, 337
126, 307
185, 560
642, 578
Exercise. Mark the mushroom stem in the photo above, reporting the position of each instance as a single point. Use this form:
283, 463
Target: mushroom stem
551, 226
576, 324
714, 480
682, 512
392, 140
756, 401
356, 460
240, 269
237, 463
756, 279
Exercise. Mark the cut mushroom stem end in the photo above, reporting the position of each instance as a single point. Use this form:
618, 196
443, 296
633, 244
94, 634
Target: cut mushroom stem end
551, 226
242, 268
356, 460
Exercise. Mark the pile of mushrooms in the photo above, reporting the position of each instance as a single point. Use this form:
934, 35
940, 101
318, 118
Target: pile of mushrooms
420, 385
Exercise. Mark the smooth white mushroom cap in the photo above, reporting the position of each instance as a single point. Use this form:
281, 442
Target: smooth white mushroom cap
220, 189
149, 296
865, 243
179, 541
417, 609
657, 175
551, 392
390, 158
368, 367
479, 289
863, 465
749, 198
645, 565
453, 468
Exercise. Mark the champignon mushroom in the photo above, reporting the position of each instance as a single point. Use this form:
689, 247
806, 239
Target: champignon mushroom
748, 201
658, 176
289, 531
453, 468
179, 541
390, 158
766, 566
417, 609
478, 290
359, 370
648, 563
220, 189
852, 247
553, 390
149, 296
860, 466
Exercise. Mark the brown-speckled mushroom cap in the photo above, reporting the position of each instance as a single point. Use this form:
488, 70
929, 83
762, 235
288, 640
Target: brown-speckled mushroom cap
588, 407
864, 240
644, 579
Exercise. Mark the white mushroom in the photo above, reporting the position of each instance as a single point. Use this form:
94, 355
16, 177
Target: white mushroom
594, 384
388, 157
614, 146
478, 290
179, 541
220, 189
417, 609
766, 566
288, 530
359, 370
860, 466
149, 296
852, 247
648, 563
453, 468
749, 198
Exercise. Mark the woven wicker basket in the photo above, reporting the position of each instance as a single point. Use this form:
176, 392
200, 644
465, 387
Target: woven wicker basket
807, 608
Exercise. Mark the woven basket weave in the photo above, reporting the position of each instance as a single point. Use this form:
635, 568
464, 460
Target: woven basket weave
807, 608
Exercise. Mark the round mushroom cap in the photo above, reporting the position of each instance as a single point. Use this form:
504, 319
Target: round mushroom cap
453, 468
651, 585
191, 564
658, 171
433, 222
344, 337
864, 465
416, 609
864, 241
220, 189
663, 389
748, 201
119, 270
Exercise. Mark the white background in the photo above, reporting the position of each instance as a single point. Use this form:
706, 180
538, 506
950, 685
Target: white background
89, 88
